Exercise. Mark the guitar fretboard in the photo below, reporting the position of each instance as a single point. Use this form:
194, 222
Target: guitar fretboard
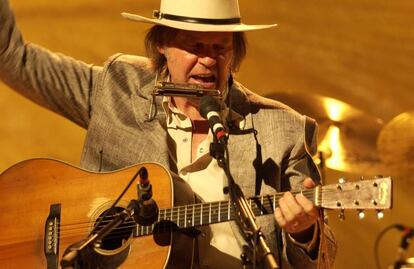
361, 195
195, 215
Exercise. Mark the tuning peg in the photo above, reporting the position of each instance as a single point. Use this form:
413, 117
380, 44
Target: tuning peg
361, 214
380, 214
378, 176
341, 215
361, 178
340, 182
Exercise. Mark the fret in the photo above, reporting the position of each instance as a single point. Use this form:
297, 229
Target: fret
178, 216
201, 215
218, 217
261, 205
209, 213
192, 218
274, 202
185, 217
228, 210
137, 230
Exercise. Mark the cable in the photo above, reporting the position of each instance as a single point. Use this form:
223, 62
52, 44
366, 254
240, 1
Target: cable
399, 227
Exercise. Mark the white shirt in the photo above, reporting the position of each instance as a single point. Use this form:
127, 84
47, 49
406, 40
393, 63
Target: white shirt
206, 179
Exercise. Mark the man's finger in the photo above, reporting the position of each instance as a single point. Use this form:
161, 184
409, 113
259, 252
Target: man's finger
309, 183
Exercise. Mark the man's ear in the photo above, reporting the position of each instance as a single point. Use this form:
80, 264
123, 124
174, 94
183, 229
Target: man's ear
161, 50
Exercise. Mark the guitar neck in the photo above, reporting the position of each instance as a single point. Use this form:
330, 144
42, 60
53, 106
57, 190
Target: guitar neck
201, 214
365, 194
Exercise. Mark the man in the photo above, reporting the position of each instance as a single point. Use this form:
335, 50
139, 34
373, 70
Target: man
193, 42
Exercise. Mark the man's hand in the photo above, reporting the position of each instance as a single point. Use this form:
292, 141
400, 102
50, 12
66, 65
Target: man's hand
297, 214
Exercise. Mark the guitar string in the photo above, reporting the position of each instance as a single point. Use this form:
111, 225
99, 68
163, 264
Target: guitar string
177, 215
174, 213
214, 206
65, 232
324, 196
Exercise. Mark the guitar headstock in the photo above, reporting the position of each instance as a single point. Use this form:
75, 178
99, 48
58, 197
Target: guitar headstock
360, 195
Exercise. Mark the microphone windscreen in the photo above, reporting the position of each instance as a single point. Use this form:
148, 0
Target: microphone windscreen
208, 104
143, 173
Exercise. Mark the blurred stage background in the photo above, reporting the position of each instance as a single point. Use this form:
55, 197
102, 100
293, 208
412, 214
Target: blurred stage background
349, 64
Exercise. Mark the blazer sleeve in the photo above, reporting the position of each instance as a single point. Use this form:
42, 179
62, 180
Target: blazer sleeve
52, 80
300, 165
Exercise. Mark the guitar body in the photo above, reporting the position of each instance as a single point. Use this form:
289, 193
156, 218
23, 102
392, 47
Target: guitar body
29, 189
47, 206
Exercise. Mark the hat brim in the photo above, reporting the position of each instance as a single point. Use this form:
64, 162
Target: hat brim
239, 27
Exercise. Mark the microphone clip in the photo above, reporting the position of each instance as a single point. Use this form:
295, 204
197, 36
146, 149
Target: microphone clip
217, 151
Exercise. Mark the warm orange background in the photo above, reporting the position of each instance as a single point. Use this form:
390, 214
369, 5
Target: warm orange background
359, 52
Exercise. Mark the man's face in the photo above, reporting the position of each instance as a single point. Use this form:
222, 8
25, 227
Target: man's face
202, 58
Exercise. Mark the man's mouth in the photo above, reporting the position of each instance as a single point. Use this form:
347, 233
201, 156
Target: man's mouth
204, 80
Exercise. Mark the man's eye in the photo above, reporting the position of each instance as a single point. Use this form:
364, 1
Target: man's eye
196, 46
220, 48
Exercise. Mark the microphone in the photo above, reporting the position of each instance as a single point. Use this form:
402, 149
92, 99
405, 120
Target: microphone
209, 109
147, 208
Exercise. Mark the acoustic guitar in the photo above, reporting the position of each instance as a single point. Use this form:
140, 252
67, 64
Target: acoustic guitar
47, 206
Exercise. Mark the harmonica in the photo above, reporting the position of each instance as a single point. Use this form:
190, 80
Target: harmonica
180, 89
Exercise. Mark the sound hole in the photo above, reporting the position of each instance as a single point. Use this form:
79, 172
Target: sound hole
119, 235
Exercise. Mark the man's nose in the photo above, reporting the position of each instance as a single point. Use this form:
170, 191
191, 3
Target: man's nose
208, 57
207, 60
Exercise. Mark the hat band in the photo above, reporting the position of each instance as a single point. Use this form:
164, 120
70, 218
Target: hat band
157, 14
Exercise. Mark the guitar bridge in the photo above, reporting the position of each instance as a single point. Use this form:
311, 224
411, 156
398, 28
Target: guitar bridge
51, 236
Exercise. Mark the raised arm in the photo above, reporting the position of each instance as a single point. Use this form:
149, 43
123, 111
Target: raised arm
57, 82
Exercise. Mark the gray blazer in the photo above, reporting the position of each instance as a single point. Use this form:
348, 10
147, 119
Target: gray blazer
271, 153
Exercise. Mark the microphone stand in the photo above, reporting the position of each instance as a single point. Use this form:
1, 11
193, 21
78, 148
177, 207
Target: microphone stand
261, 251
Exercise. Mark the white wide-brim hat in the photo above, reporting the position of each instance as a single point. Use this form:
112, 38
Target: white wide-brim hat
199, 15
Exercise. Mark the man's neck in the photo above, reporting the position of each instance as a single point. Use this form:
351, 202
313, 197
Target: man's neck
189, 107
